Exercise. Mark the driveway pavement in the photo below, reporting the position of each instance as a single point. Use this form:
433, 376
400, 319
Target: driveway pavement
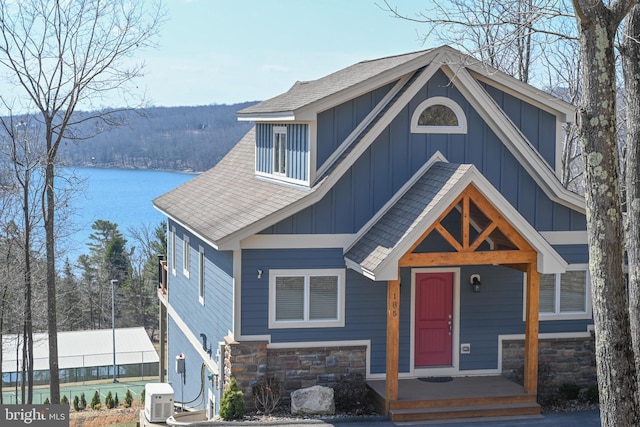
558, 419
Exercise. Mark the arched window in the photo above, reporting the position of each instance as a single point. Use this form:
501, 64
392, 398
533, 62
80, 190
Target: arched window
438, 115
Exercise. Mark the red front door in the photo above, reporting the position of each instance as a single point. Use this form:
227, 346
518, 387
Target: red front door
434, 319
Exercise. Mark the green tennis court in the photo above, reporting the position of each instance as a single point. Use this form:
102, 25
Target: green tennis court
42, 393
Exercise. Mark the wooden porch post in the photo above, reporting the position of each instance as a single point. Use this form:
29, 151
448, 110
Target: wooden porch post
531, 332
393, 348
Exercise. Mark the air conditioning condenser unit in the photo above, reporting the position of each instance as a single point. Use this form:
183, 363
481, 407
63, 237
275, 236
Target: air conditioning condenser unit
158, 401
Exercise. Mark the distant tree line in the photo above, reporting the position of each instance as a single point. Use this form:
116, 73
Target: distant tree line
173, 138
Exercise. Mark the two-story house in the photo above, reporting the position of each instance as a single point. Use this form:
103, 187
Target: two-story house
402, 219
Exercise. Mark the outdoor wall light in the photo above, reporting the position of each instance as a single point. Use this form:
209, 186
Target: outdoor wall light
259, 274
475, 282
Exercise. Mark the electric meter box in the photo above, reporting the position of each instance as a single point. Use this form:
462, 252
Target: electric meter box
158, 402
180, 364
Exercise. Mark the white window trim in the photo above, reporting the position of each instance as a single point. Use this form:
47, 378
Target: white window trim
439, 100
280, 130
338, 323
174, 258
201, 276
587, 314
186, 255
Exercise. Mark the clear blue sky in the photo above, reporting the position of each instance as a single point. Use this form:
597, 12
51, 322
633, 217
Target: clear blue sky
228, 51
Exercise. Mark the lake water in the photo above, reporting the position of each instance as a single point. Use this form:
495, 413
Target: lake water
122, 196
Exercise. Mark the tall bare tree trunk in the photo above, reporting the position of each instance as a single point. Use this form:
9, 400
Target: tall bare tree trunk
27, 347
631, 68
52, 322
614, 355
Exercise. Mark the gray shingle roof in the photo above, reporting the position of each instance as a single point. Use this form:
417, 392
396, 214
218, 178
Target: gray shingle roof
400, 221
228, 197
305, 93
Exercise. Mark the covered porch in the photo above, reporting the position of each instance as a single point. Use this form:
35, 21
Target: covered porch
451, 217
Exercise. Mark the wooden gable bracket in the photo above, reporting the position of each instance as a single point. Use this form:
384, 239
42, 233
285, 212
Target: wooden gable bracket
510, 250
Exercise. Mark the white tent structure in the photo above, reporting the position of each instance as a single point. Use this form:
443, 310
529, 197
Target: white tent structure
83, 355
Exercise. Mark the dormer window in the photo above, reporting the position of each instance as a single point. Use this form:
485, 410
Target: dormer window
280, 150
438, 115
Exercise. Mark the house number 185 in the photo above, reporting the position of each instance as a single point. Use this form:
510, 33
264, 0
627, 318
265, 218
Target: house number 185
394, 306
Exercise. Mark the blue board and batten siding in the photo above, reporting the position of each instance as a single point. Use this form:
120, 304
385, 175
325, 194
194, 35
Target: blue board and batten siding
339, 122
397, 154
214, 318
393, 158
297, 149
536, 124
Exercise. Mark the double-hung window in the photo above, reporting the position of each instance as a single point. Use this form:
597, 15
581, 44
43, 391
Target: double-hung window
186, 255
280, 150
306, 298
565, 295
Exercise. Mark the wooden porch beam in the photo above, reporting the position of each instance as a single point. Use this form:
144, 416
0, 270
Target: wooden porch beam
393, 341
531, 330
434, 259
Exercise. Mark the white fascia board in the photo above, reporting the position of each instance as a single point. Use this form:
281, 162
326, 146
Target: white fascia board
526, 92
287, 241
232, 241
189, 229
514, 140
352, 265
565, 237
284, 116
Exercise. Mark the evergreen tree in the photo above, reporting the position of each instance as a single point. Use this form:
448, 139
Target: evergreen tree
71, 306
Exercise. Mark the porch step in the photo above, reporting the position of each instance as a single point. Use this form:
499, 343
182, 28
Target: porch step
465, 412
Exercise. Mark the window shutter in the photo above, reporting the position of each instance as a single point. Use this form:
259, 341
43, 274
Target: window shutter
323, 298
573, 288
290, 298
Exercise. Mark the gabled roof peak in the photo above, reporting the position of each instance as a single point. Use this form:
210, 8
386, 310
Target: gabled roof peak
305, 98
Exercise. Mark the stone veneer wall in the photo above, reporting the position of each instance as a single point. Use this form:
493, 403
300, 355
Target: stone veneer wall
560, 361
295, 368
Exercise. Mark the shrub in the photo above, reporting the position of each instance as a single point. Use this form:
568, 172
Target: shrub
569, 391
116, 401
64, 400
95, 401
267, 392
232, 403
128, 399
142, 395
83, 402
46, 401
76, 403
108, 401
351, 395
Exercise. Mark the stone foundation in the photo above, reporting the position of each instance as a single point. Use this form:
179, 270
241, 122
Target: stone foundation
560, 361
294, 368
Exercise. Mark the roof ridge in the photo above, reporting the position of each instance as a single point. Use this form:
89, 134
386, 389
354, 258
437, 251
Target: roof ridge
396, 55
